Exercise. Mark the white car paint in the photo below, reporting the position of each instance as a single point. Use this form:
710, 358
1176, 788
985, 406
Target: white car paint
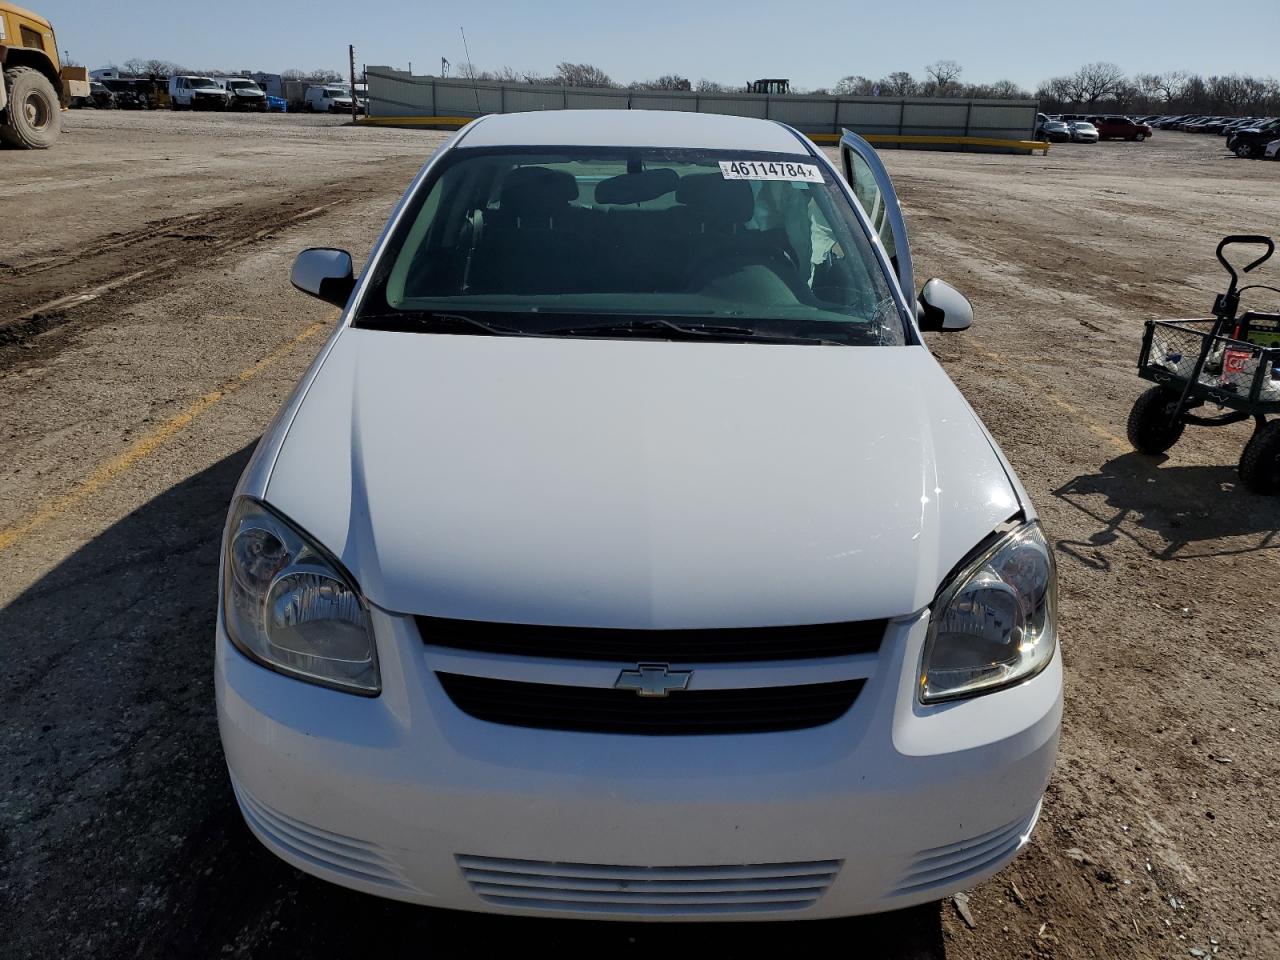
529, 480
577, 506
327, 98
1273, 150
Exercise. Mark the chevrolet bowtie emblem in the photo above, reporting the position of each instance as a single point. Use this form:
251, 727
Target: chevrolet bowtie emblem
653, 679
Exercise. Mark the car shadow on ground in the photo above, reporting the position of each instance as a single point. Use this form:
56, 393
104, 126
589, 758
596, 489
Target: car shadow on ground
1171, 512
119, 834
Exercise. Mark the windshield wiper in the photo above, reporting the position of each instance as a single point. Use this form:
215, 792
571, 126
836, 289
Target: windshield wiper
648, 326
430, 321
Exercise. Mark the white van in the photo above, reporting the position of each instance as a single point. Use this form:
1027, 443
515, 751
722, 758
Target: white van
327, 98
196, 93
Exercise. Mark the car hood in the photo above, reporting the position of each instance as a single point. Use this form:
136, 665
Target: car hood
635, 483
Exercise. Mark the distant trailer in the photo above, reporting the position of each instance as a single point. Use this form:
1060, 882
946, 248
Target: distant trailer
769, 86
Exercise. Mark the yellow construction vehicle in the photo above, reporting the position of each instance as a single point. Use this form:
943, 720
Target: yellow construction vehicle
34, 86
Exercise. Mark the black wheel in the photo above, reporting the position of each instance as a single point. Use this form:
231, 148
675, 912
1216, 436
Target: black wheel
34, 115
1260, 462
1140, 137
1148, 427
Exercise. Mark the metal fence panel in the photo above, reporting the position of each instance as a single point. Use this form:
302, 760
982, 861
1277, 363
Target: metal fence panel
595, 100
742, 106
641, 100
395, 93
811, 115
938, 116
871, 116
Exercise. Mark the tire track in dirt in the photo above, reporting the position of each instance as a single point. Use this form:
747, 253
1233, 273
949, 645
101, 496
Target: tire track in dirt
45, 294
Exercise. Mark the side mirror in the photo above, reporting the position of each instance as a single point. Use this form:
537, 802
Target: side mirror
943, 307
326, 274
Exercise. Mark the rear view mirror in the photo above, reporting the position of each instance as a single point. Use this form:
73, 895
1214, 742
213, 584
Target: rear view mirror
325, 273
943, 307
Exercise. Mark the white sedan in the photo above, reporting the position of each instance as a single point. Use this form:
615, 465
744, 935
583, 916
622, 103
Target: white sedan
626, 553
1273, 150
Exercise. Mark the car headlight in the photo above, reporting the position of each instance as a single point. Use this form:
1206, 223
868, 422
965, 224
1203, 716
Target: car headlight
288, 604
995, 623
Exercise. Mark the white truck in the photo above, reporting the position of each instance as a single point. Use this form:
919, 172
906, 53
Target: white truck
243, 94
196, 93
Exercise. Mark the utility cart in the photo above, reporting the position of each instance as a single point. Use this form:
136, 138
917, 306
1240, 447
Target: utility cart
1231, 361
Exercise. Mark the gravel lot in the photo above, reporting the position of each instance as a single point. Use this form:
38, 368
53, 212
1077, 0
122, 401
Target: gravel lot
148, 332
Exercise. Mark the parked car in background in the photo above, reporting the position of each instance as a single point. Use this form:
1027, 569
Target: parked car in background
1082, 131
1054, 131
1272, 151
1229, 128
196, 93
243, 94
624, 635
277, 105
130, 94
1113, 127
1252, 141
99, 98
327, 98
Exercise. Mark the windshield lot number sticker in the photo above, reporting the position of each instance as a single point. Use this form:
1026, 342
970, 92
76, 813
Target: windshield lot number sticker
769, 170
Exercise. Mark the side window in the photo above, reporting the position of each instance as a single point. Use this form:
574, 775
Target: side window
868, 193
30, 38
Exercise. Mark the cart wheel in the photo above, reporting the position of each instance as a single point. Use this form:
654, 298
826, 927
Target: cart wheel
1148, 427
1260, 462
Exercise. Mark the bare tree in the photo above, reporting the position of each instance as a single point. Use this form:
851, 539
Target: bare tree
153, 67
669, 81
581, 75
312, 76
942, 74
1007, 90
854, 85
1096, 81
710, 86
899, 84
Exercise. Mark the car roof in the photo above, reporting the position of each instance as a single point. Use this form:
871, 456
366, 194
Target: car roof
632, 128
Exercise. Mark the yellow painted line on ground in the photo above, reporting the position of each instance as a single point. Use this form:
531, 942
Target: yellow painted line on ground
1090, 423
414, 121
146, 445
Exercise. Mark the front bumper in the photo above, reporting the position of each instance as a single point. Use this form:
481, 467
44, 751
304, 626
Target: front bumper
407, 797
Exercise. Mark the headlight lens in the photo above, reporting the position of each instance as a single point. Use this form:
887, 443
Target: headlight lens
289, 605
995, 624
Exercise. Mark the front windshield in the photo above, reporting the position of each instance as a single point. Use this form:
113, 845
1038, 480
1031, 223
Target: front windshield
203, 83
335, 91
568, 239
245, 85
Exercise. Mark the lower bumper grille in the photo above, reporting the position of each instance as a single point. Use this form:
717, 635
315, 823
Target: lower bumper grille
950, 865
600, 710
597, 888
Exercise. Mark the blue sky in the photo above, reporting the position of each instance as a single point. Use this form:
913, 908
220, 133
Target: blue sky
814, 42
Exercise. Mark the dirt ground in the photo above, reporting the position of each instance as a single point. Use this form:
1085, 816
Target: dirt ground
148, 332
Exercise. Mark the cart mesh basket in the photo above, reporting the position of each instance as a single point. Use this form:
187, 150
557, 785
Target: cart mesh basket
1241, 374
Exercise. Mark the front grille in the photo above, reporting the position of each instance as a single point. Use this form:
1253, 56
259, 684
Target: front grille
726, 645
550, 706
599, 888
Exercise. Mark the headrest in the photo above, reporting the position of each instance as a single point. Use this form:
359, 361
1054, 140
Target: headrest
712, 196
637, 187
534, 190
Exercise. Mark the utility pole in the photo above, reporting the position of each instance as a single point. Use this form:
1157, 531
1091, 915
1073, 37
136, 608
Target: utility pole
355, 102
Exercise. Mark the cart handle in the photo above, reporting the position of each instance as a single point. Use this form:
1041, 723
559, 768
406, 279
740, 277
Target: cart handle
1245, 238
